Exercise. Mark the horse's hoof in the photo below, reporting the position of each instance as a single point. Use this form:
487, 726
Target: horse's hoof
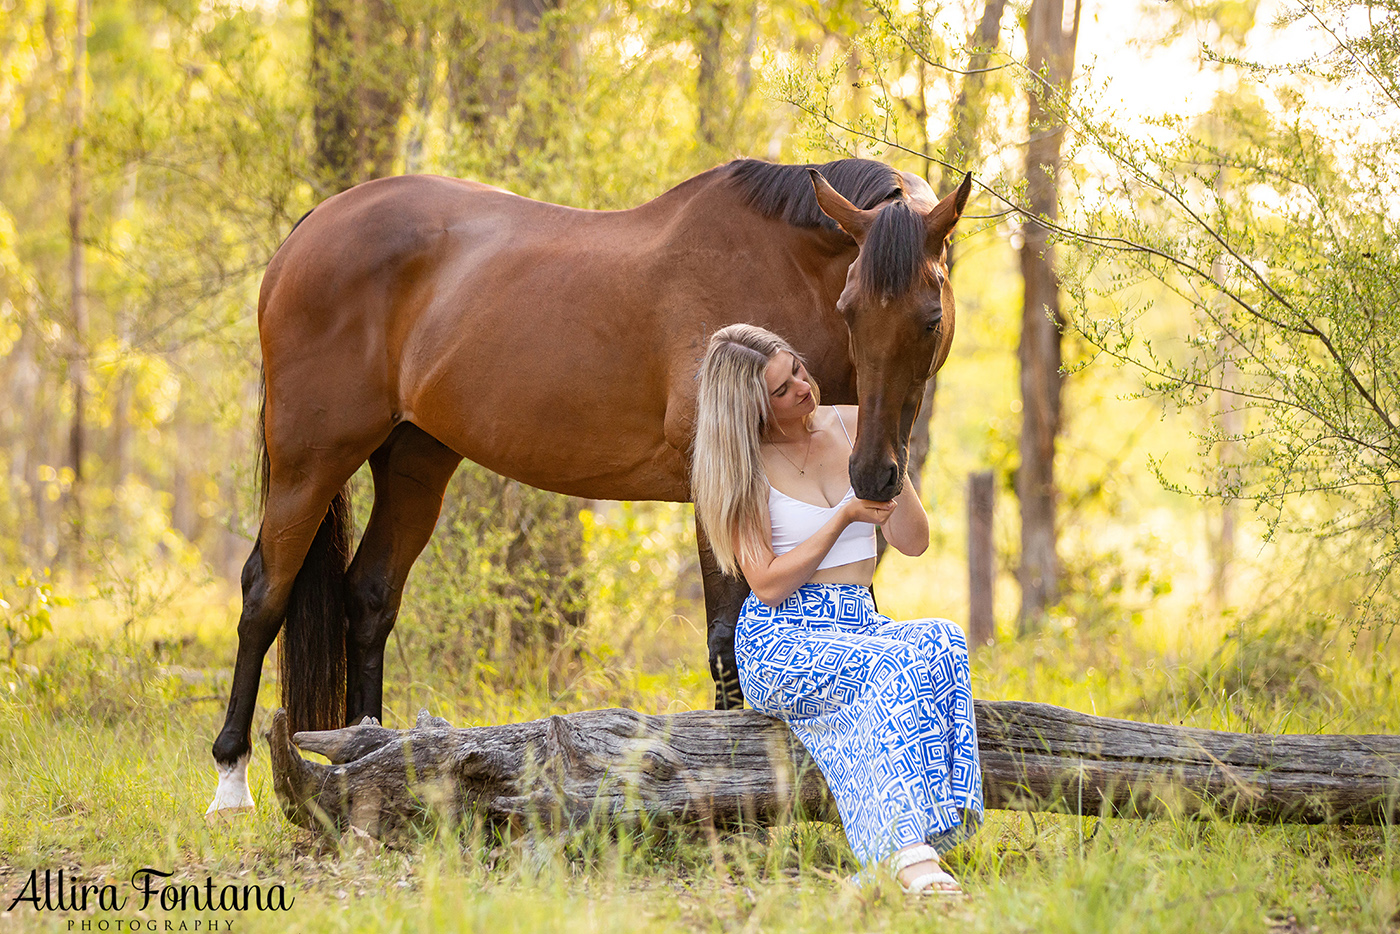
232, 796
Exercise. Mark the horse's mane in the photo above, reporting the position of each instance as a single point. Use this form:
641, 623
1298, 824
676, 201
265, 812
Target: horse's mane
785, 191
894, 245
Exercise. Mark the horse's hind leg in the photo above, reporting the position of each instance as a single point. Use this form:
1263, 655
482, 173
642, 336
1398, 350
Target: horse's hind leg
411, 471
724, 596
257, 628
297, 512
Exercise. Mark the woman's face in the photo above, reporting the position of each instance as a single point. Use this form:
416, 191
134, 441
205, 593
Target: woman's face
789, 392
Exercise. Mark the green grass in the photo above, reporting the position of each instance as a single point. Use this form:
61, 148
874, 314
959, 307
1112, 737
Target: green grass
104, 769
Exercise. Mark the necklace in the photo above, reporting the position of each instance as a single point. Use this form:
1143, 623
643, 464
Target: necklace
802, 470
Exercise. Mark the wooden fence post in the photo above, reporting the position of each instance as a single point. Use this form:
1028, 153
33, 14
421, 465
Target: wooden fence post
981, 570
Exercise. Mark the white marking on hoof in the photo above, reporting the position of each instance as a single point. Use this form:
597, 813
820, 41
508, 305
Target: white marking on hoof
232, 795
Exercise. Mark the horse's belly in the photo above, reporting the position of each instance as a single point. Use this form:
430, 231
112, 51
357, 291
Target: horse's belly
590, 464
561, 421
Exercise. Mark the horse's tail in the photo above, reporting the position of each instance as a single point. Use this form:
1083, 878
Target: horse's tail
313, 638
312, 655
264, 464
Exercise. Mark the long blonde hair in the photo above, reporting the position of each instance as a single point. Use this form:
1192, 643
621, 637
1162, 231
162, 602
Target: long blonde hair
727, 479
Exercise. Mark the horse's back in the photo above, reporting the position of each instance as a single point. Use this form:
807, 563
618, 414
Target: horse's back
485, 318
364, 230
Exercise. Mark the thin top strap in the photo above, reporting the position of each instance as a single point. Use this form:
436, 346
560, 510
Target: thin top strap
843, 427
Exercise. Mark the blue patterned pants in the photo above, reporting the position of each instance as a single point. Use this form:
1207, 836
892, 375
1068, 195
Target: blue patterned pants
884, 707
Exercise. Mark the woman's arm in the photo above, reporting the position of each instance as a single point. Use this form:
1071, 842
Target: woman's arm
907, 527
773, 578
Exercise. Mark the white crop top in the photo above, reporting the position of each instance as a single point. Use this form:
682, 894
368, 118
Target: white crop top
794, 521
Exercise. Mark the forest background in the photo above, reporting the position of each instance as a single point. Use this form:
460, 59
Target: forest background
1195, 486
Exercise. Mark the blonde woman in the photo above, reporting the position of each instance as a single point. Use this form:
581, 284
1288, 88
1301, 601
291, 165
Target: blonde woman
884, 707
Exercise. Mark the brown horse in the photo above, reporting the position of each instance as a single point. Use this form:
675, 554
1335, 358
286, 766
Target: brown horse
418, 320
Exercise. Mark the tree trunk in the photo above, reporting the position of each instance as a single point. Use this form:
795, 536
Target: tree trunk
465, 102
23, 418
488, 63
332, 83
487, 68
359, 84
722, 767
709, 95
515, 56
77, 283
1051, 58
960, 146
383, 88
548, 540
50, 441
959, 149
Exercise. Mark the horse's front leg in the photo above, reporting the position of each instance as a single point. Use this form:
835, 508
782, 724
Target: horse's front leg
724, 596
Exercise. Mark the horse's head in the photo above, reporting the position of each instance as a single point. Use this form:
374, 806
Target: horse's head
898, 306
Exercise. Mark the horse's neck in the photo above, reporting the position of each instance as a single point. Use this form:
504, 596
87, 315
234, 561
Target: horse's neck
708, 212
782, 277
799, 274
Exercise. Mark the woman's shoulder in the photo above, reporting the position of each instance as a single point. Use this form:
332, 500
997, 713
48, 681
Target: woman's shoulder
847, 415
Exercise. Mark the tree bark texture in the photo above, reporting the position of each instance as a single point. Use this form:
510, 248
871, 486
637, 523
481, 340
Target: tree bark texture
360, 81
710, 120
490, 62
981, 559
1051, 58
727, 767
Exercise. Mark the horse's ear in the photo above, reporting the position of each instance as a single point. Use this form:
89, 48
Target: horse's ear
944, 216
847, 216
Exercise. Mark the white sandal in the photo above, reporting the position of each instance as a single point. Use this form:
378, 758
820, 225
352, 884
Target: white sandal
929, 883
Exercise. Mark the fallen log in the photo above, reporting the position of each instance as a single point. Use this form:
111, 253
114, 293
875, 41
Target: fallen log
728, 767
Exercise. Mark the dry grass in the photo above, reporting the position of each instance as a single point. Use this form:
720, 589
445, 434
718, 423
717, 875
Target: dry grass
104, 769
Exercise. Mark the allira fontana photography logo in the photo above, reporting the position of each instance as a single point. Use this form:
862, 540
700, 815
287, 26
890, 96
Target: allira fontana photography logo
146, 891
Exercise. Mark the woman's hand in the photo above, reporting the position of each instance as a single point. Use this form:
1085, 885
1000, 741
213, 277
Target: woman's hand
866, 510
774, 577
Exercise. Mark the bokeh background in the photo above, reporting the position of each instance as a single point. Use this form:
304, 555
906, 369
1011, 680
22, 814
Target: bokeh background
1187, 211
